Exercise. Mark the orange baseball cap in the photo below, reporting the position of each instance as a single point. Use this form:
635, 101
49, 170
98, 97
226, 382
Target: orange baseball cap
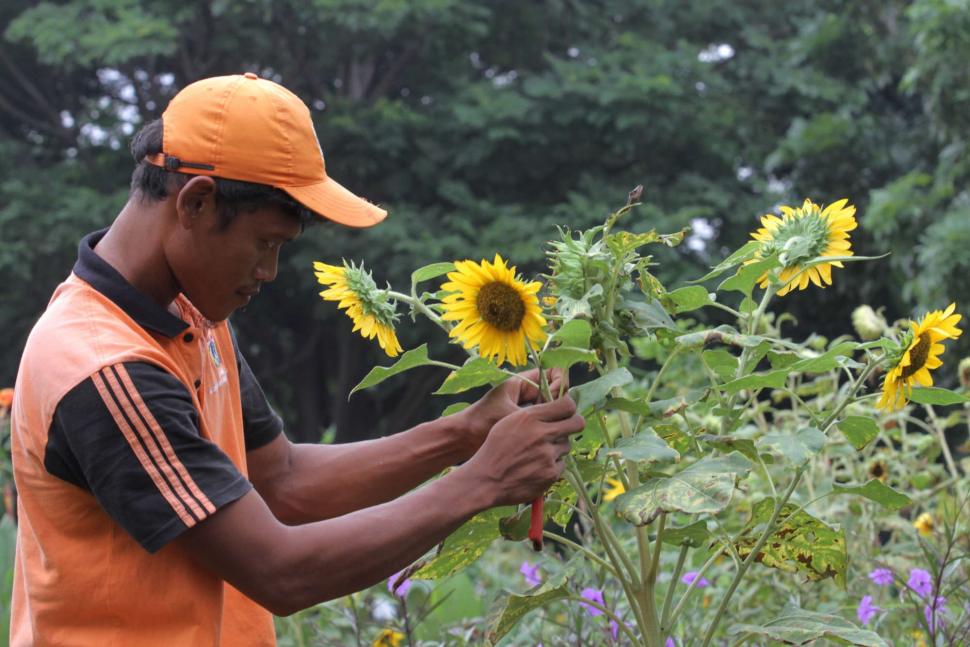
242, 127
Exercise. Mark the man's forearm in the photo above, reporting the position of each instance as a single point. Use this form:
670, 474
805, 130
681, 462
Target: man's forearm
325, 481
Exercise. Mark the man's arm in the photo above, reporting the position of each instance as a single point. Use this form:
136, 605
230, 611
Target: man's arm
288, 568
302, 483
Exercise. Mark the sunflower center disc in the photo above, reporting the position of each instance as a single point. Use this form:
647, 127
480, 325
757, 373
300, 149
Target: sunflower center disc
918, 355
501, 306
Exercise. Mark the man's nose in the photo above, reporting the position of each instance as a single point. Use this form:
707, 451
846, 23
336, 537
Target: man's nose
268, 267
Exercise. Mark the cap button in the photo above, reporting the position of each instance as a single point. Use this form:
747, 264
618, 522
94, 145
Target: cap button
250, 75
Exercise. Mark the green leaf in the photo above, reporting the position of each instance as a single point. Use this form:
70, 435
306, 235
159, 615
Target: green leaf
705, 486
574, 308
648, 316
693, 535
455, 408
801, 544
796, 626
575, 333
935, 395
566, 356
594, 392
858, 430
771, 379
515, 527
591, 471
658, 408
747, 276
745, 252
411, 359
644, 448
729, 444
430, 272
689, 298
723, 363
825, 362
798, 447
477, 371
465, 545
508, 610
876, 490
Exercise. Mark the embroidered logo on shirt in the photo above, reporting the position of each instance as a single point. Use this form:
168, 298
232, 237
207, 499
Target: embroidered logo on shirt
214, 353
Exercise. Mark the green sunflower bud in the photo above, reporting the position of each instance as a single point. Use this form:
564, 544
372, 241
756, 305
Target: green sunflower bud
965, 372
868, 323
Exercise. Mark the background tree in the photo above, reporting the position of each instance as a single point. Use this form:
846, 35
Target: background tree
482, 126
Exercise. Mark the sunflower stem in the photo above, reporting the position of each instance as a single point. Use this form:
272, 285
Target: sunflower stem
420, 306
941, 437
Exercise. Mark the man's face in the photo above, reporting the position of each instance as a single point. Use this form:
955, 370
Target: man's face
226, 266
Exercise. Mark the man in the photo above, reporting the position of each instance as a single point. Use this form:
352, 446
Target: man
160, 502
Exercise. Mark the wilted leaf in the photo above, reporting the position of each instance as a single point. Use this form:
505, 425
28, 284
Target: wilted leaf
705, 486
745, 252
465, 545
802, 544
796, 626
747, 276
771, 379
826, 361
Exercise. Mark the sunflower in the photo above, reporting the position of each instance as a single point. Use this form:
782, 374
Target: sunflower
924, 524
921, 355
389, 638
801, 235
354, 290
616, 489
495, 311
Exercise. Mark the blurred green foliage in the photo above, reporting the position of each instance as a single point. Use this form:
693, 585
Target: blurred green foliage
481, 126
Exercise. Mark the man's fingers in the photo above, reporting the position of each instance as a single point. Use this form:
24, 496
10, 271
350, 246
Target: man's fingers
559, 409
563, 429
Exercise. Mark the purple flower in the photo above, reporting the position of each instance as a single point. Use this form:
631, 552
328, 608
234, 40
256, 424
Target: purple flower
881, 576
531, 574
690, 578
920, 581
615, 629
866, 610
402, 588
670, 642
933, 613
593, 595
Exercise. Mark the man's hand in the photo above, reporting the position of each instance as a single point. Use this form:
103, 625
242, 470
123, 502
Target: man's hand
523, 454
504, 399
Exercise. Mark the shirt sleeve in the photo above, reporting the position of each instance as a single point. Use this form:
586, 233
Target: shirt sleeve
261, 424
129, 434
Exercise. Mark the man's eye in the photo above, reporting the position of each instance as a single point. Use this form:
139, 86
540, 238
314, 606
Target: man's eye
265, 244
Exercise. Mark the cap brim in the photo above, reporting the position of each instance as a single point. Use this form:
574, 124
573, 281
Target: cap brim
332, 201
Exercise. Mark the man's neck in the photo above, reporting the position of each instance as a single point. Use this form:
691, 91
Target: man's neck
133, 246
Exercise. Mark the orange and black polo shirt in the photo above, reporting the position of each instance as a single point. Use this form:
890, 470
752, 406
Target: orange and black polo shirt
130, 424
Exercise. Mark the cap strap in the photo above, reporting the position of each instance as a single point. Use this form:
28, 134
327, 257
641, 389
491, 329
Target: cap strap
172, 163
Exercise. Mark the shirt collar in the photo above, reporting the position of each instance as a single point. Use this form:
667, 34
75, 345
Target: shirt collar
108, 281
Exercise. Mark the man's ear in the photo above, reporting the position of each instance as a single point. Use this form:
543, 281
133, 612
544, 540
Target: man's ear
196, 201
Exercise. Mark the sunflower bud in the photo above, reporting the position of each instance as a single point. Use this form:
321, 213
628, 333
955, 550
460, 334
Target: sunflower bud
924, 524
868, 323
964, 372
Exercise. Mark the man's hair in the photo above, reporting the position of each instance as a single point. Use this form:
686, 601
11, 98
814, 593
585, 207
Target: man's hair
154, 183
